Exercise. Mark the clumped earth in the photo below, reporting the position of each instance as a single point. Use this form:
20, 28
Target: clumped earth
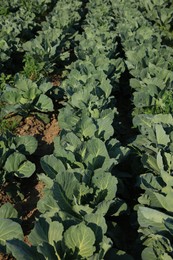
44, 133
35, 127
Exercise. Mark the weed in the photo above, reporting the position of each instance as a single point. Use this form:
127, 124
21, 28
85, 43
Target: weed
32, 69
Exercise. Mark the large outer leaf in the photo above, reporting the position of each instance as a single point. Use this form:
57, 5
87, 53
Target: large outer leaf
98, 225
157, 247
80, 238
40, 232
9, 230
105, 184
152, 254
60, 151
51, 165
96, 154
105, 128
18, 164
80, 98
8, 211
47, 251
45, 86
96, 147
26, 144
102, 207
67, 118
26, 169
44, 103
21, 250
70, 141
86, 126
55, 232
162, 137
48, 204
11, 96
14, 161
145, 120
63, 202
148, 217
46, 235
68, 183
165, 201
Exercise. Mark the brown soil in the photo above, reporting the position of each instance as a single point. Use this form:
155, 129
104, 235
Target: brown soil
6, 257
56, 80
35, 127
4, 198
44, 133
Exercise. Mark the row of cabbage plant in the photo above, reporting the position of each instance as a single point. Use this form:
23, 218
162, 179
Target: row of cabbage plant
80, 202
149, 62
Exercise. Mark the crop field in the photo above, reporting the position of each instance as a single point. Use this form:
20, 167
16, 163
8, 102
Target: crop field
86, 130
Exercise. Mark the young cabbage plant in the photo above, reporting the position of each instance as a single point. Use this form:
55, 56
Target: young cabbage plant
14, 152
24, 97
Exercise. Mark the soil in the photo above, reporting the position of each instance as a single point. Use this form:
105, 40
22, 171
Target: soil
4, 198
44, 133
35, 127
6, 257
